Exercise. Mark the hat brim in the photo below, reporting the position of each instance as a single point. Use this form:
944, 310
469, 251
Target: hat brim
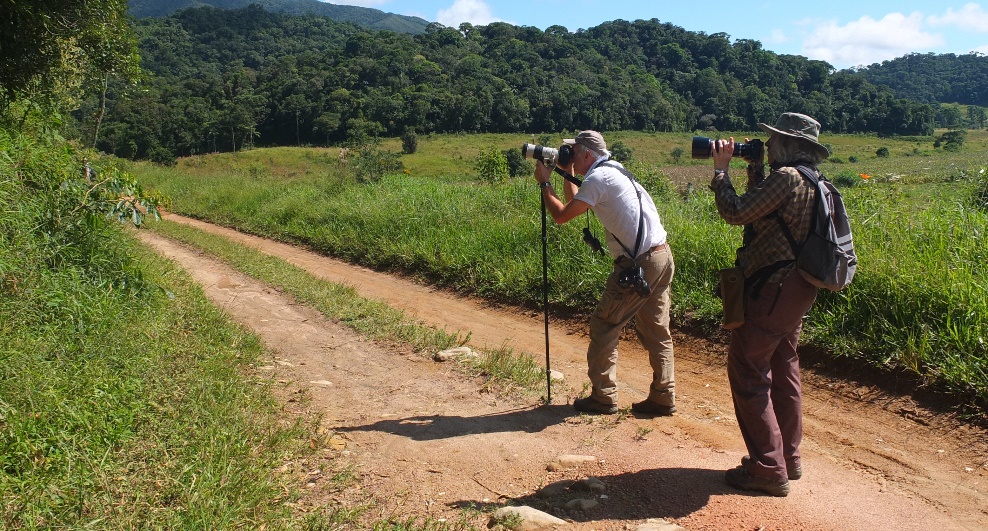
820, 148
570, 141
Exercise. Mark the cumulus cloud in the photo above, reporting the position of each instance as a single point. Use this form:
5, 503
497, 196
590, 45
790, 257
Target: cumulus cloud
970, 17
777, 37
475, 12
866, 40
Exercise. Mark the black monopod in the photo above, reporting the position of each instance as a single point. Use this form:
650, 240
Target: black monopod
545, 282
549, 157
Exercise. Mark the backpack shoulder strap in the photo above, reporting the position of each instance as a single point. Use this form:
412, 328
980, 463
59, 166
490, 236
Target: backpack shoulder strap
813, 175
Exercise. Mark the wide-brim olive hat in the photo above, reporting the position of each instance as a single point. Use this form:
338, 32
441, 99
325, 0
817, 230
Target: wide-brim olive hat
799, 126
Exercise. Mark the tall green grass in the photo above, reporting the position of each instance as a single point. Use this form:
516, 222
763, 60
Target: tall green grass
125, 397
917, 303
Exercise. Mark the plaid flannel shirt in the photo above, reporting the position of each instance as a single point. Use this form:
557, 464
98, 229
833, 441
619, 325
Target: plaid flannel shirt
764, 243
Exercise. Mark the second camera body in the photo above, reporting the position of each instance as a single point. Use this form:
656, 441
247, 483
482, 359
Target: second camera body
634, 277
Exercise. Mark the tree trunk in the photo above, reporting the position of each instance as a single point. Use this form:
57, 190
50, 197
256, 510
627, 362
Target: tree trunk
102, 109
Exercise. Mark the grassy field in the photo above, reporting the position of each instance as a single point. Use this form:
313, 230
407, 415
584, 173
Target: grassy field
918, 302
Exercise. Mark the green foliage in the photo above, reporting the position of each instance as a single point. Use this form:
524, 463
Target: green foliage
677, 154
409, 142
935, 78
122, 397
918, 288
161, 155
370, 162
228, 79
517, 165
845, 179
51, 48
852, 159
361, 16
951, 141
882, 152
979, 196
492, 165
621, 152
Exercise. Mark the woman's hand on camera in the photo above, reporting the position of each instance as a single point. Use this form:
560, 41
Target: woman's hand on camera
759, 159
722, 152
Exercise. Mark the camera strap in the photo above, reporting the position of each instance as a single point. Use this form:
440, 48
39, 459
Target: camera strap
641, 214
568, 176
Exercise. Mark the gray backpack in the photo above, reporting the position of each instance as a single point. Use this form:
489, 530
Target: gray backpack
826, 258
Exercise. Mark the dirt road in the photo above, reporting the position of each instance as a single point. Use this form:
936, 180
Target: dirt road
425, 441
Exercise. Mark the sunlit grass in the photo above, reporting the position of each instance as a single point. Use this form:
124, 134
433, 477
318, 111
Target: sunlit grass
917, 303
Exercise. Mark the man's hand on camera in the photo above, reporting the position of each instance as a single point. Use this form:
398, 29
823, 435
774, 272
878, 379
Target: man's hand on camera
543, 173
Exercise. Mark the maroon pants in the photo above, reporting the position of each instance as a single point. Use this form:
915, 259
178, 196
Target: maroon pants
763, 369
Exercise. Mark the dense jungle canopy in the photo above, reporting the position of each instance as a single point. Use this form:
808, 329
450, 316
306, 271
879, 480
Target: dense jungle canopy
219, 80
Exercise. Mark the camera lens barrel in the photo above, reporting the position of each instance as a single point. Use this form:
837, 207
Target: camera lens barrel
547, 155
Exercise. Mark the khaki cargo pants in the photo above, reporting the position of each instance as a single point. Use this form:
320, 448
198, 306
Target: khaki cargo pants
616, 307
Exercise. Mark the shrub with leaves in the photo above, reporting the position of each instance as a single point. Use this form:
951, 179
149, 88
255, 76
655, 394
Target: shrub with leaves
882, 152
621, 152
409, 142
492, 165
372, 163
517, 165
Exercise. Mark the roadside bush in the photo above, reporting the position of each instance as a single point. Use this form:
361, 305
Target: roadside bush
621, 152
372, 163
845, 179
492, 165
882, 152
852, 159
409, 142
517, 165
162, 155
951, 141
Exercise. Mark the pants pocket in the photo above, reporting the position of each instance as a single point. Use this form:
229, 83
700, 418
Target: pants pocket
610, 309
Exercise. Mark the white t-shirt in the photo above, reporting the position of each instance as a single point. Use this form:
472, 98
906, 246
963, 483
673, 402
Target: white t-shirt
610, 194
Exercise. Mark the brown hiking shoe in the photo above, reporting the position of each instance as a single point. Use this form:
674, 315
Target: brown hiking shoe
739, 478
592, 405
794, 473
647, 407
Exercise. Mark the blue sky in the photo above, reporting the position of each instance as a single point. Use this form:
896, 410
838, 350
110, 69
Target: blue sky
844, 33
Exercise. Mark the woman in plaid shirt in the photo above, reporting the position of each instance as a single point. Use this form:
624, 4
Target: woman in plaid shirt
762, 363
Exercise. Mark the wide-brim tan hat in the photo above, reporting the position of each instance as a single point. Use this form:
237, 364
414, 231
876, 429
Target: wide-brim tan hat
799, 126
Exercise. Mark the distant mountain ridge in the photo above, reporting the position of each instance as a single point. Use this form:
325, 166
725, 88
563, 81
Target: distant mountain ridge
362, 16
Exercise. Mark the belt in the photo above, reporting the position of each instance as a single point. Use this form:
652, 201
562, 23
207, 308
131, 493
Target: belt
659, 247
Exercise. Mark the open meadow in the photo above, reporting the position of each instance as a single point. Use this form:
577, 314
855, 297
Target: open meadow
918, 305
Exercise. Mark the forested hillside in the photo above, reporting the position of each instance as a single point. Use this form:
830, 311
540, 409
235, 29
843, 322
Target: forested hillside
933, 78
225, 79
361, 16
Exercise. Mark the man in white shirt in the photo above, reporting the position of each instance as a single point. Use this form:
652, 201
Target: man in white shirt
635, 238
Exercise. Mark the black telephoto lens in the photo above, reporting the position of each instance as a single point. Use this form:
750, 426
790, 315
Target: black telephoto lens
703, 148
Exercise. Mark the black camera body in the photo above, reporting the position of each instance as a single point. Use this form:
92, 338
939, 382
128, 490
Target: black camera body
703, 148
634, 277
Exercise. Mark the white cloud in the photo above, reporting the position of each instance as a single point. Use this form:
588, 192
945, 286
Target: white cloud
970, 17
777, 37
866, 40
473, 11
